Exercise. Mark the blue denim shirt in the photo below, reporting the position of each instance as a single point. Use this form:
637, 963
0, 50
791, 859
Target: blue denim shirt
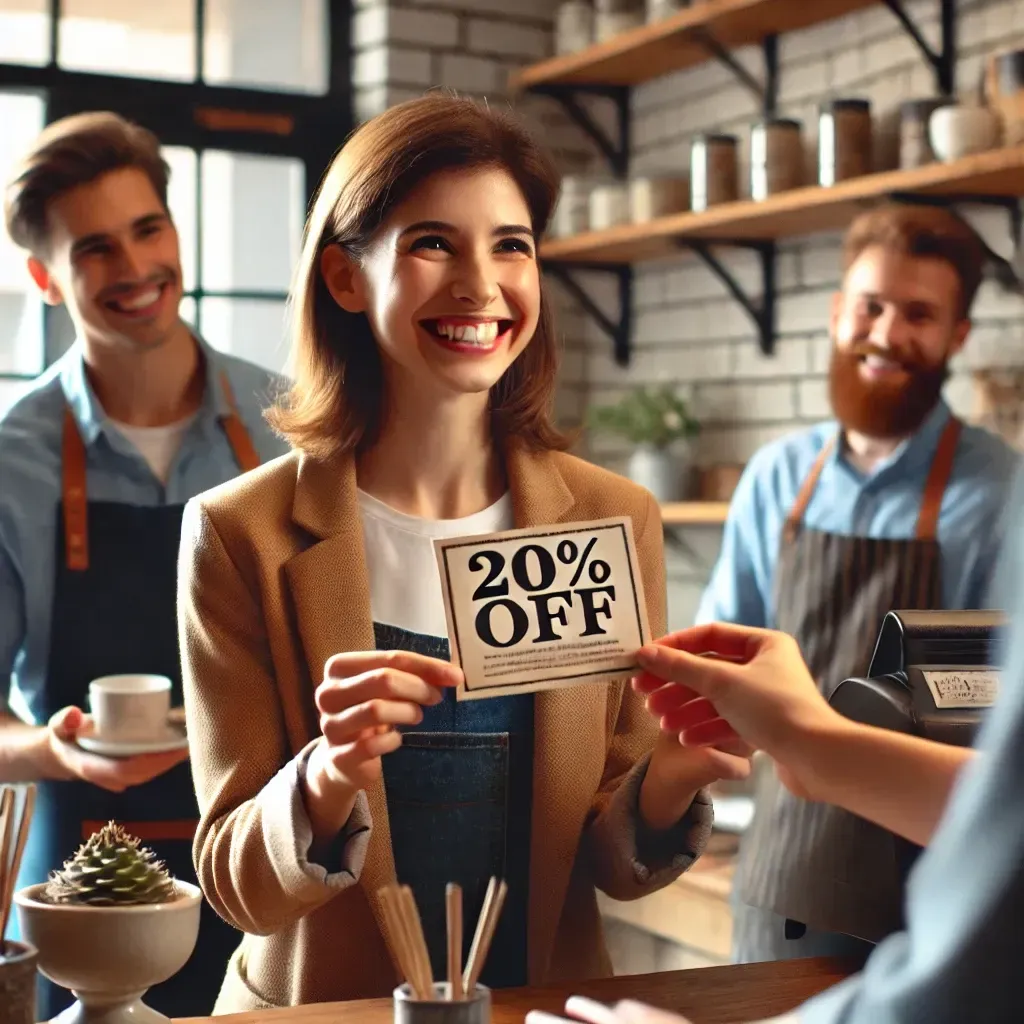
30, 489
960, 957
882, 504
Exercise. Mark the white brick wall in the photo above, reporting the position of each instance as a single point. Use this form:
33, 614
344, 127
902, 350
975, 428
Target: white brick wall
687, 329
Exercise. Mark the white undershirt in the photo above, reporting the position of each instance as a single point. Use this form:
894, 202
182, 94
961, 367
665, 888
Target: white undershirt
405, 586
159, 446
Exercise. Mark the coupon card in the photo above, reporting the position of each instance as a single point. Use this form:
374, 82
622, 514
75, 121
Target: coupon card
541, 608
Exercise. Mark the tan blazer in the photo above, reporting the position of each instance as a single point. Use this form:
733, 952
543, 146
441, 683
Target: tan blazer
272, 582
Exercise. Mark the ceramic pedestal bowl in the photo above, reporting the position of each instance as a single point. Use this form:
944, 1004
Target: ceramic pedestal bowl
109, 956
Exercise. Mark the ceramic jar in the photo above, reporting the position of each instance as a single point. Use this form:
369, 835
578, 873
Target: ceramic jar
959, 131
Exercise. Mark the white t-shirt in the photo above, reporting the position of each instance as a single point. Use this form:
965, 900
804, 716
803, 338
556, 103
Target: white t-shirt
159, 446
405, 585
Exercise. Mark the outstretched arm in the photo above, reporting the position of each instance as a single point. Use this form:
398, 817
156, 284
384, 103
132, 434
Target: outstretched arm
760, 689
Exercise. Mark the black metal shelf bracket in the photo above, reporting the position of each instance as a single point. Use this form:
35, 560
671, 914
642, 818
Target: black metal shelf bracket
762, 313
944, 62
767, 91
614, 150
620, 334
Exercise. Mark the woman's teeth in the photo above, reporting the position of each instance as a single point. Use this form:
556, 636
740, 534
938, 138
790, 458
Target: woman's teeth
470, 334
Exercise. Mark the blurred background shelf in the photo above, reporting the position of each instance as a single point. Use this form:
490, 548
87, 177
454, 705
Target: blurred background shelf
793, 214
686, 39
694, 513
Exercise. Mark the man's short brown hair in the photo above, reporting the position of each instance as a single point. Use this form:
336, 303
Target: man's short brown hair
71, 152
923, 232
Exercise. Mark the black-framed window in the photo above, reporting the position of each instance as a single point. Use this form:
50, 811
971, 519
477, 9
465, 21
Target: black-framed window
249, 98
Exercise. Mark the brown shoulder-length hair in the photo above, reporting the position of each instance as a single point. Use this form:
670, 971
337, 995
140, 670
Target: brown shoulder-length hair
335, 404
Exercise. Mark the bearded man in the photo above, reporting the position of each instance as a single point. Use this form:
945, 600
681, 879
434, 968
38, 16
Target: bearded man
894, 505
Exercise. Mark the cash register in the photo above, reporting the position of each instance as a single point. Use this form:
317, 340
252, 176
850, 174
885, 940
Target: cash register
933, 674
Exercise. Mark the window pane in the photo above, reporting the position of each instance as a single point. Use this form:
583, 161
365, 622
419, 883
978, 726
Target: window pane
267, 44
242, 250
25, 31
252, 329
181, 198
125, 37
187, 310
21, 314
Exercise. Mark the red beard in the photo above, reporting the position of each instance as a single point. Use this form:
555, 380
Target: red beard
882, 409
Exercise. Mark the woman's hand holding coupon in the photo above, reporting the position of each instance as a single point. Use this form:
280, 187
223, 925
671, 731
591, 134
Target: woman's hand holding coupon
363, 696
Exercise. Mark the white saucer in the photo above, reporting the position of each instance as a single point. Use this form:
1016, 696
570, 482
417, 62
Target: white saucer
173, 739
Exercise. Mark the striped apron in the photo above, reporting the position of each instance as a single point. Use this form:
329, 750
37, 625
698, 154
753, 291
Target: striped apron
814, 880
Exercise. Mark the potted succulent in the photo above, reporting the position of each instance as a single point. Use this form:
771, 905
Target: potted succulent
109, 925
657, 422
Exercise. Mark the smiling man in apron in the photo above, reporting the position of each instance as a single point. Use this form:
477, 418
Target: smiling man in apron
896, 504
97, 461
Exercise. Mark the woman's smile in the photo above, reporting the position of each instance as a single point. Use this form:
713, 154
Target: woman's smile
475, 336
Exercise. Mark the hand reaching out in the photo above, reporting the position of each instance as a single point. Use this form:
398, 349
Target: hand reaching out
757, 690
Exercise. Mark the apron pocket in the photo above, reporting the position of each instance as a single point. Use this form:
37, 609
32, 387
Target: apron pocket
447, 796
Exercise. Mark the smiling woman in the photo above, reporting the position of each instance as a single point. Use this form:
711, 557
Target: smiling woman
425, 363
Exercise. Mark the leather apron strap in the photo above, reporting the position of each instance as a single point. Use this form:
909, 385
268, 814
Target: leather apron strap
73, 482
938, 478
804, 495
931, 498
238, 437
149, 831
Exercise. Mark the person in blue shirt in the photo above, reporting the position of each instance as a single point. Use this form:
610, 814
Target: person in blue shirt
97, 461
893, 504
959, 957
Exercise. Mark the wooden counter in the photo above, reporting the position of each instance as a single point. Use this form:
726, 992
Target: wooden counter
712, 995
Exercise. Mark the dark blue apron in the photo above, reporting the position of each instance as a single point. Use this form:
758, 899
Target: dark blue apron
114, 612
459, 793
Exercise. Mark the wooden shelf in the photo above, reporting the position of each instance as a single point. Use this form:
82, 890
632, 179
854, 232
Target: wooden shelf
650, 51
803, 211
694, 513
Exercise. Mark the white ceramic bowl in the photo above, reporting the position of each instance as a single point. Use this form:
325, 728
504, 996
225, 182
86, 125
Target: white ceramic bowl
957, 131
109, 956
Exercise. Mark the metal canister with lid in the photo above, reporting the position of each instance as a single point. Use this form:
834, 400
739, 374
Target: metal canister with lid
844, 140
776, 157
714, 170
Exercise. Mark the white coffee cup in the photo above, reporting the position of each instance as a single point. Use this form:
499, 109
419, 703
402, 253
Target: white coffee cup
130, 708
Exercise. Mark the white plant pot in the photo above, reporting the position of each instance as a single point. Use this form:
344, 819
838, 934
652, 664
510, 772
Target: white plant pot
109, 956
662, 471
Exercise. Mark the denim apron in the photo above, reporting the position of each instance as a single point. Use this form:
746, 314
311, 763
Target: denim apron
459, 794
114, 611
814, 880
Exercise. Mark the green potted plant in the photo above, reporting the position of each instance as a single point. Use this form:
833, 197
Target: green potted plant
657, 422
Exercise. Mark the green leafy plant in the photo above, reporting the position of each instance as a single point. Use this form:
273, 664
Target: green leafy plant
111, 869
655, 417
